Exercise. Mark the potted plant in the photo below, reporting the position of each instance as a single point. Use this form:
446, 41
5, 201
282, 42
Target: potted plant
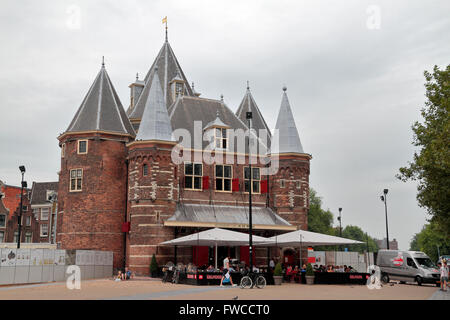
309, 274
278, 274
153, 267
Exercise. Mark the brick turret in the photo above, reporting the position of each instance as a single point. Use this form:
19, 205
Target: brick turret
153, 184
290, 185
92, 180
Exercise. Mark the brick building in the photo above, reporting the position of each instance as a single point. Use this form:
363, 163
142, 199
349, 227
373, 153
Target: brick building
44, 208
9, 215
393, 244
120, 188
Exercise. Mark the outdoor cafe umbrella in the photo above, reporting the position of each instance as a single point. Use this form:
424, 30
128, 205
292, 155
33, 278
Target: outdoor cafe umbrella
302, 238
214, 237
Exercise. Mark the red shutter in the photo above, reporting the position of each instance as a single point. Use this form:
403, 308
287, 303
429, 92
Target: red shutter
263, 186
205, 182
235, 184
126, 227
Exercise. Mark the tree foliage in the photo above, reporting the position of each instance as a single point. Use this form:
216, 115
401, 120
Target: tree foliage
431, 163
429, 239
321, 221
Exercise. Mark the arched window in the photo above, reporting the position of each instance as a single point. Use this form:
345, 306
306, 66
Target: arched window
145, 169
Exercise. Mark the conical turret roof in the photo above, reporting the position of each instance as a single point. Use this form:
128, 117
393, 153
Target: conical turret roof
101, 109
248, 104
155, 122
286, 138
168, 69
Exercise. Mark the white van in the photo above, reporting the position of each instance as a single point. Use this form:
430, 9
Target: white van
407, 266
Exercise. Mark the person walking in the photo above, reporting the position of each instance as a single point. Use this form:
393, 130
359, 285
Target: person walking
444, 275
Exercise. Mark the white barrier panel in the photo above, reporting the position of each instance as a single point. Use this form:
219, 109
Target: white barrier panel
25, 265
23, 259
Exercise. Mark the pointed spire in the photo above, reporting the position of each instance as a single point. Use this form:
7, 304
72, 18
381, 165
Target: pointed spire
155, 123
101, 109
248, 104
286, 138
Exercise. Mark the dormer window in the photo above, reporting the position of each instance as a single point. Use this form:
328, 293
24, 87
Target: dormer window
177, 86
221, 138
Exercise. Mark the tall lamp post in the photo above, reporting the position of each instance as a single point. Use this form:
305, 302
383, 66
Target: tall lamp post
24, 184
340, 225
384, 199
249, 117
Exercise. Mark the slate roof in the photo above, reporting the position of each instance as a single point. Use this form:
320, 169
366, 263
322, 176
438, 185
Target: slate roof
168, 69
217, 214
286, 138
155, 123
248, 104
101, 109
39, 192
186, 110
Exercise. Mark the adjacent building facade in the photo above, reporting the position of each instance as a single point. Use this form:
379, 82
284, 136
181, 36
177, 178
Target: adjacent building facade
171, 165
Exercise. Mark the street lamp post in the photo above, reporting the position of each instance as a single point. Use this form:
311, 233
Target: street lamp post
340, 225
24, 184
384, 199
250, 240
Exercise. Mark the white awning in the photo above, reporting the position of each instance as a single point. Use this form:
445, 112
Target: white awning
305, 238
214, 237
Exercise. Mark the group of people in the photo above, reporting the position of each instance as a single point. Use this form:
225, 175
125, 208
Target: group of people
443, 269
332, 268
122, 276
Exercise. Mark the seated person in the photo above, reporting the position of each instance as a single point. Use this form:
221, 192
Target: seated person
255, 269
289, 273
210, 269
330, 268
128, 274
119, 276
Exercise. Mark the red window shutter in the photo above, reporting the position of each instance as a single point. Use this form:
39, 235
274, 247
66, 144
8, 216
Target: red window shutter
263, 186
235, 184
126, 227
205, 182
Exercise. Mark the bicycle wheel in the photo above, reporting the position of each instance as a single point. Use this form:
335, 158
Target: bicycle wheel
246, 282
260, 282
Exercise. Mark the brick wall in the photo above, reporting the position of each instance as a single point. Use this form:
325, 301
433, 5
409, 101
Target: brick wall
92, 219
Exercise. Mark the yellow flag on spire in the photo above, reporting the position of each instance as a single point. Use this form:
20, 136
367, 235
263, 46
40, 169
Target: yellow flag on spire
164, 20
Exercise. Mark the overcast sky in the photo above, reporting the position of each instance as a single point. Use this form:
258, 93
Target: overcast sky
353, 69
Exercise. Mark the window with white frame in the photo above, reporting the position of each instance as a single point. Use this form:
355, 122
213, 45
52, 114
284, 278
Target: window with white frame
36, 213
28, 221
76, 178
2, 236
221, 138
224, 174
28, 237
44, 230
82, 146
44, 214
16, 236
193, 173
63, 150
2, 220
282, 183
298, 184
255, 179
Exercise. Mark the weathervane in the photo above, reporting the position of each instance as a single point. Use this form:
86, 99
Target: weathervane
165, 21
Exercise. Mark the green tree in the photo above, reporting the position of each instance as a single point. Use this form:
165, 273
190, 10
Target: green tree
356, 233
319, 220
429, 239
431, 163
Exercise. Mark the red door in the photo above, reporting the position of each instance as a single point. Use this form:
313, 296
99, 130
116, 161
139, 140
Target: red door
289, 257
200, 255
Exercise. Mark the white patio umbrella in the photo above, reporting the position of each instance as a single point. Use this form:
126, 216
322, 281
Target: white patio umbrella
214, 237
302, 238
307, 238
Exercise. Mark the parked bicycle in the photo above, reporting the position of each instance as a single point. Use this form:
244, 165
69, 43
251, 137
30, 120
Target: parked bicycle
251, 279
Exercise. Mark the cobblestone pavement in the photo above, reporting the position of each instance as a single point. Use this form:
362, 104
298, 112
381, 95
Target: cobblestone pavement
145, 290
